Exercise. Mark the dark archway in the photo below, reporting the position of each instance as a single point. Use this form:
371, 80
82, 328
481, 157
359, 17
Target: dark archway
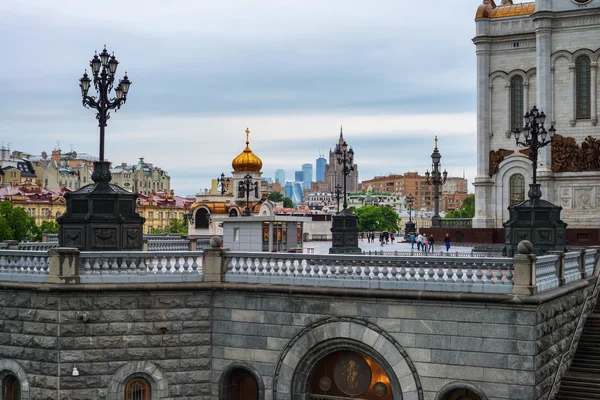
202, 218
460, 391
234, 213
240, 381
11, 387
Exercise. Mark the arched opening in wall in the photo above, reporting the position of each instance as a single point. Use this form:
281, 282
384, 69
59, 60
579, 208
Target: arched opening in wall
583, 87
202, 218
11, 387
233, 213
346, 375
516, 103
240, 384
517, 189
137, 389
461, 394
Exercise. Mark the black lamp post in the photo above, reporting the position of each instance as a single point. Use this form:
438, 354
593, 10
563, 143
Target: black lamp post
223, 184
247, 185
104, 68
338, 193
101, 216
436, 178
409, 227
345, 158
534, 219
535, 137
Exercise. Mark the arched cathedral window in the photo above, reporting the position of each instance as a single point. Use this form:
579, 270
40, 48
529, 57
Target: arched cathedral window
137, 389
517, 189
11, 388
516, 103
582, 82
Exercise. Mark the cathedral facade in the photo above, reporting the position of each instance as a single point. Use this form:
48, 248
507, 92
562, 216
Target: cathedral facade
333, 172
543, 53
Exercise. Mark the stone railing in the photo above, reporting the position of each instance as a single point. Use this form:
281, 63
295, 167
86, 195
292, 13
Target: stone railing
546, 268
456, 223
589, 261
482, 275
37, 246
168, 244
24, 266
418, 253
140, 266
52, 237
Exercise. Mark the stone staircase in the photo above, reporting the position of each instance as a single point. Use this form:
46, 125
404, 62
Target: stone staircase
582, 381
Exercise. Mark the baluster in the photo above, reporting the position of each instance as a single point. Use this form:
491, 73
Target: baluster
177, 266
195, 265
449, 271
479, 273
87, 268
393, 273
292, 268
44, 266
440, 271
421, 272
186, 265
384, 272
132, 267
159, 265
488, 274
459, 273
376, 272
20, 265
105, 270
114, 267
412, 272
29, 266
96, 267
499, 275
509, 274
469, 273
3, 264
430, 271
123, 269
403, 271
36, 265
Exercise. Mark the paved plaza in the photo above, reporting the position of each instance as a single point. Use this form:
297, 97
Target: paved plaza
322, 247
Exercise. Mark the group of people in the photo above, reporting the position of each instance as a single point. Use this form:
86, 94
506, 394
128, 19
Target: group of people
384, 237
425, 243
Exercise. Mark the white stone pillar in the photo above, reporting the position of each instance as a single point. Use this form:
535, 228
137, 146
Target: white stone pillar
525, 97
484, 212
543, 32
573, 96
593, 94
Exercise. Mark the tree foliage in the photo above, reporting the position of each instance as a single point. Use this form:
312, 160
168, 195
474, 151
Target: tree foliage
467, 210
377, 219
179, 226
16, 224
50, 226
288, 203
276, 197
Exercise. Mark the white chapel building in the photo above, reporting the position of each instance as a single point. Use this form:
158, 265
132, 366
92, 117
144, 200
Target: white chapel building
543, 53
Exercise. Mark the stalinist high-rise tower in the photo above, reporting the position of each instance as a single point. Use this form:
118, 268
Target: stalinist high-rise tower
333, 172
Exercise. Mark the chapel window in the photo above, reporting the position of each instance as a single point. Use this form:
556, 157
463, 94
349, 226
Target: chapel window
516, 103
11, 388
517, 189
582, 84
202, 219
241, 385
137, 389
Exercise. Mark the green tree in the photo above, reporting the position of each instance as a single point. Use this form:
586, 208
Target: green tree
21, 224
276, 197
288, 203
377, 219
50, 226
467, 210
178, 226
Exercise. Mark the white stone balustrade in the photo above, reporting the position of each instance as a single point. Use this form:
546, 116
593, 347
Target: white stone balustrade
24, 266
37, 246
591, 257
168, 244
140, 266
481, 275
546, 268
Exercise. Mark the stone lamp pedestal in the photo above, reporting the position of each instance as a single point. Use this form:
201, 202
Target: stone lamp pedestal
101, 216
409, 227
537, 221
345, 233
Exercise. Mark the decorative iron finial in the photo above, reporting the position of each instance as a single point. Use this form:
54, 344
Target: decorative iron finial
247, 134
436, 140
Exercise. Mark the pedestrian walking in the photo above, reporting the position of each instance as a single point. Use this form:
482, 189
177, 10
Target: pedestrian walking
392, 237
431, 243
420, 242
447, 242
412, 239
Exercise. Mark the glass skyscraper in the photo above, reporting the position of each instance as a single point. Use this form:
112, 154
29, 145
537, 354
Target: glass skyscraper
307, 170
321, 164
280, 176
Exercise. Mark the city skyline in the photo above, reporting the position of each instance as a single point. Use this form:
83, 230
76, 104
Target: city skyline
202, 74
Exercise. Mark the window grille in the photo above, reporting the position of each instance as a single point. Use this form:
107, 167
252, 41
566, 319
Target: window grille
137, 389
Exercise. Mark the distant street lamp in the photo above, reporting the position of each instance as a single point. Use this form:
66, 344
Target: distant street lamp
345, 158
247, 185
409, 227
104, 68
436, 178
535, 136
223, 184
338, 193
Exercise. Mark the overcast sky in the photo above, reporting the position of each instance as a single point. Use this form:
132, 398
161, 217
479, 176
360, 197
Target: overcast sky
393, 73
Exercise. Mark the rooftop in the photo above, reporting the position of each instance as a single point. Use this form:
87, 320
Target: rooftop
489, 9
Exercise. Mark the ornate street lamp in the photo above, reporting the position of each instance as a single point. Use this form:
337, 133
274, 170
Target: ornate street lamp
535, 137
345, 158
223, 184
436, 178
338, 193
535, 219
104, 68
409, 227
102, 216
247, 185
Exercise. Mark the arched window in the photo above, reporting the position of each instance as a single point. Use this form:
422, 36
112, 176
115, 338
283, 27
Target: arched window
202, 218
241, 385
137, 389
516, 103
461, 394
11, 388
517, 189
233, 213
582, 82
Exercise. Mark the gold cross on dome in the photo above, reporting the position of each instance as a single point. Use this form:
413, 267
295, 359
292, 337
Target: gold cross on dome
247, 134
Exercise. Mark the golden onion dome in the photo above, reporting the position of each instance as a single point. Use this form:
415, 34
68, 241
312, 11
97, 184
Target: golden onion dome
247, 161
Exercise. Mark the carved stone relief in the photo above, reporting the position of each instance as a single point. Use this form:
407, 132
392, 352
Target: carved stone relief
568, 156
